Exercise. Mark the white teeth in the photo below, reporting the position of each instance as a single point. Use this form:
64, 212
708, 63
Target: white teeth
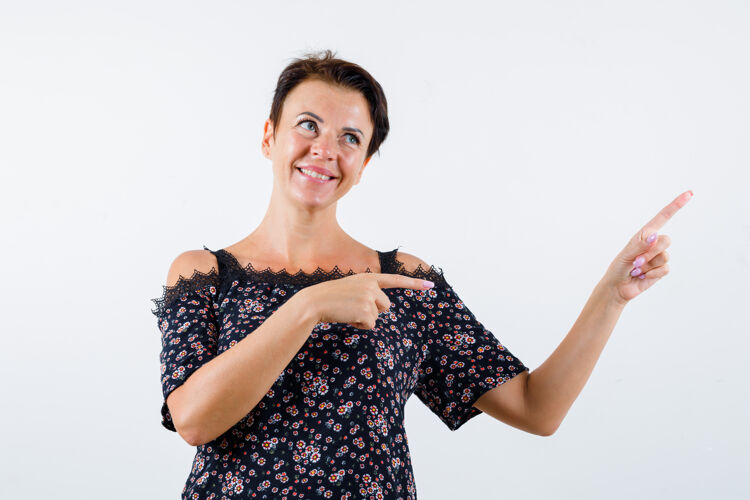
312, 173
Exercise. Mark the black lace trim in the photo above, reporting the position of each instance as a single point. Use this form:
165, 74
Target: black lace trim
431, 273
389, 265
184, 285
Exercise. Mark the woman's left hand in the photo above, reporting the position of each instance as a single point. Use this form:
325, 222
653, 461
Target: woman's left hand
643, 261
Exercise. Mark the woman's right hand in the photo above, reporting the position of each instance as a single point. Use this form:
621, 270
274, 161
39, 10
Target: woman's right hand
357, 299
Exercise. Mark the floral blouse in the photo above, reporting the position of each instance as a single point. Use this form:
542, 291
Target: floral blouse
332, 425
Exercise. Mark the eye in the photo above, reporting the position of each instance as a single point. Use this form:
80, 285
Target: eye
356, 139
314, 125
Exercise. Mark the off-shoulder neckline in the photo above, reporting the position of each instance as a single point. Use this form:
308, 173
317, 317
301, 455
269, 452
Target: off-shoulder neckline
389, 263
230, 268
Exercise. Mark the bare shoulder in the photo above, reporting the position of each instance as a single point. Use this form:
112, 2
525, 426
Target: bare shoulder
411, 262
190, 261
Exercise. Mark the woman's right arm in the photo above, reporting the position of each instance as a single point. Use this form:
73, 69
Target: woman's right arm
224, 390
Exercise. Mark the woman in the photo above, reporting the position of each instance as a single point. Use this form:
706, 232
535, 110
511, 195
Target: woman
291, 375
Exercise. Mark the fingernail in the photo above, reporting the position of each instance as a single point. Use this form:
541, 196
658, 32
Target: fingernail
427, 284
636, 271
651, 238
642, 276
639, 261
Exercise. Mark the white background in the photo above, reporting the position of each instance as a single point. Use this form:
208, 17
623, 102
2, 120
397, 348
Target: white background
529, 141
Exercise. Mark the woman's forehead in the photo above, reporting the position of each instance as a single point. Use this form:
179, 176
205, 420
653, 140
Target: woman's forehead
328, 101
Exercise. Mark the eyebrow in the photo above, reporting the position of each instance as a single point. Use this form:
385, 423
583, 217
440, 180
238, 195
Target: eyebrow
348, 129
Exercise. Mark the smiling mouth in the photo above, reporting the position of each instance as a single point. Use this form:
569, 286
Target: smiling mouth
315, 175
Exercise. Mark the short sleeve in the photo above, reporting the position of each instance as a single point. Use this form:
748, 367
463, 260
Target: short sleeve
463, 360
187, 319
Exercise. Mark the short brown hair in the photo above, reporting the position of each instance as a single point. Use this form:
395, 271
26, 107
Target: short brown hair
324, 66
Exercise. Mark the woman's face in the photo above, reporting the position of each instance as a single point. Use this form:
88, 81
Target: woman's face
321, 126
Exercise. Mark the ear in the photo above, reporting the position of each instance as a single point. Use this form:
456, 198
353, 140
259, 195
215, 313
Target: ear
267, 142
367, 160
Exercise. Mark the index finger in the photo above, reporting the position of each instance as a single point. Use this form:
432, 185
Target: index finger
386, 280
667, 212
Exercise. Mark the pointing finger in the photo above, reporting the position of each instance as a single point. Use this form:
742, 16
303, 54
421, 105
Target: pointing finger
667, 212
386, 280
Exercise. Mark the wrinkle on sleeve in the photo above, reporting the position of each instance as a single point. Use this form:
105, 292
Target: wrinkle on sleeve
187, 319
463, 360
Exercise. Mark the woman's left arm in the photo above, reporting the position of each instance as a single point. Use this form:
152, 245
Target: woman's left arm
550, 390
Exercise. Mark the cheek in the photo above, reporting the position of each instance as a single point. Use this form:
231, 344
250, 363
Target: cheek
352, 165
296, 145
286, 149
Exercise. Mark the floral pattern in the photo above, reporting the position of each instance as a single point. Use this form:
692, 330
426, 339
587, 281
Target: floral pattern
332, 425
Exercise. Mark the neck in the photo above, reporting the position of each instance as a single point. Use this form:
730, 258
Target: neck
298, 236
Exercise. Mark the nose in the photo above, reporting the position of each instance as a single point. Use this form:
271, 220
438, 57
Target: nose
324, 147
